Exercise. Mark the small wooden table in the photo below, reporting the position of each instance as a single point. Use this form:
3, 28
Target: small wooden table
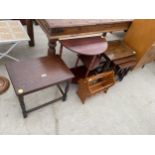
89, 50
56, 29
32, 75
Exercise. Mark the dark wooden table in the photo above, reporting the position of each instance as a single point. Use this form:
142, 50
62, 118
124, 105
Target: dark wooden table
32, 75
56, 29
89, 50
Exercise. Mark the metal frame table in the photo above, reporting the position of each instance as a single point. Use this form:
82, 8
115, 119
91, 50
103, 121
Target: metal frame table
11, 32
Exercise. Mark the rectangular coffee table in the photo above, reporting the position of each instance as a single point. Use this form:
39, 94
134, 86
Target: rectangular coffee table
35, 74
57, 29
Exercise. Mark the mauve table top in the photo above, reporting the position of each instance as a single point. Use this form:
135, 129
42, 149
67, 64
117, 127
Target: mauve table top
86, 46
37, 73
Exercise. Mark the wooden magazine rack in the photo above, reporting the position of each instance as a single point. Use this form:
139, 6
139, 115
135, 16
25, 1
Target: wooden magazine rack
94, 84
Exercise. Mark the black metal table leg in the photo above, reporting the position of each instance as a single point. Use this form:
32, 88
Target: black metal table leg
22, 104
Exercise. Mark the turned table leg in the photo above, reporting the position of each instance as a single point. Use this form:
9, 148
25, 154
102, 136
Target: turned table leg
51, 47
29, 23
104, 34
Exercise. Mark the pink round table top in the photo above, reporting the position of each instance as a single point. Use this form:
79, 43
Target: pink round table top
86, 46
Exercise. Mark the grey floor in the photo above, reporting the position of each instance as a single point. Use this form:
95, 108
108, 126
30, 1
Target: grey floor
127, 108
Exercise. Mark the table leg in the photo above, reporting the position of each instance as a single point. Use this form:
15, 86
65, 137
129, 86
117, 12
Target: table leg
104, 34
30, 31
66, 91
22, 104
91, 65
52, 47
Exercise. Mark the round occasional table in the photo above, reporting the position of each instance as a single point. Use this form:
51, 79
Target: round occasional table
4, 84
89, 50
